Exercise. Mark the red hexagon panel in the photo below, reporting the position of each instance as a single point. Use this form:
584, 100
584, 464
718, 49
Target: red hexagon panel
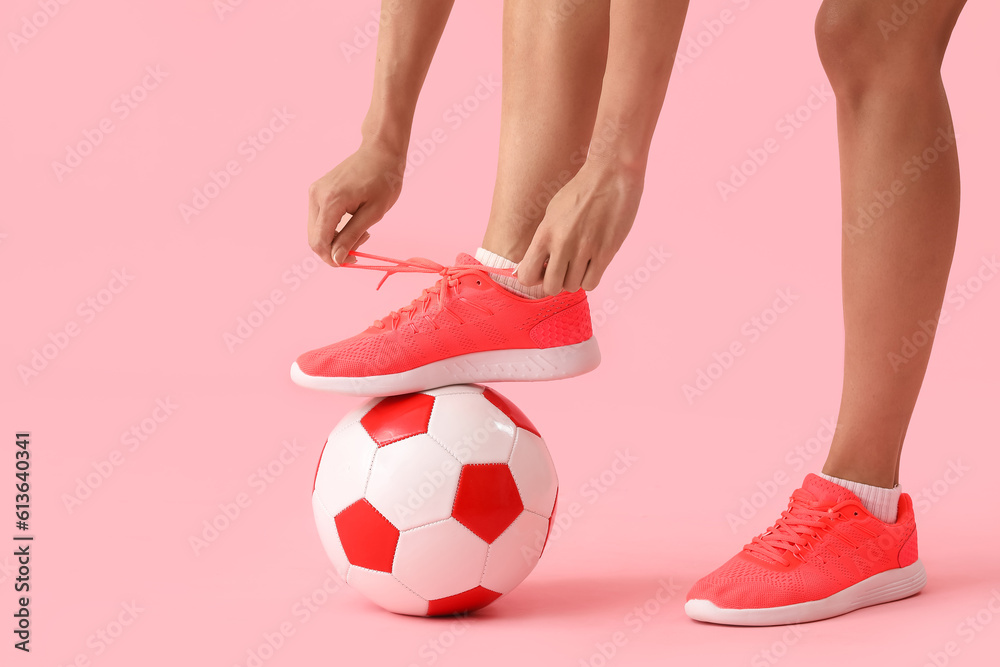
398, 417
470, 600
369, 540
487, 500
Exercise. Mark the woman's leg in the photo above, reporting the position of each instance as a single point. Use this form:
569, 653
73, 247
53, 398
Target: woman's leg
900, 195
834, 551
554, 56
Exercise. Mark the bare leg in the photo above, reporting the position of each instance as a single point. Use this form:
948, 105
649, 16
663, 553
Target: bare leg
553, 66
899, 164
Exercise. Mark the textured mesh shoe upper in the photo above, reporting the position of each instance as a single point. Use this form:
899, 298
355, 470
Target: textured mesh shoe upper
850, 545
465, 312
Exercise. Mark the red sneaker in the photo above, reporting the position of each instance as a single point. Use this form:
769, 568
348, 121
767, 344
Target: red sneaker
824, 557
464, 329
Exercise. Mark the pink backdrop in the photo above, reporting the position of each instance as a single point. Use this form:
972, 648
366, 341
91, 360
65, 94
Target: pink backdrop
128, 297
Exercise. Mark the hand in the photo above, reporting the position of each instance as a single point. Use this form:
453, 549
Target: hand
366, 185
584, 226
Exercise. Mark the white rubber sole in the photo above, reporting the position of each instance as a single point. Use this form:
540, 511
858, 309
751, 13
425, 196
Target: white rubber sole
494, 366
886, 586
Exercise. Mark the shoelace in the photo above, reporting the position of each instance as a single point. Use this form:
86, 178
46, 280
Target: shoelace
449, 279
800, 526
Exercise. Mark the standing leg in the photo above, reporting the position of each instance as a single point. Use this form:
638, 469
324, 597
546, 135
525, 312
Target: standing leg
900, 194
850, 540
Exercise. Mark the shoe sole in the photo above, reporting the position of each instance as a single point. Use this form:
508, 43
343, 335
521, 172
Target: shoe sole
524, 365
887, 586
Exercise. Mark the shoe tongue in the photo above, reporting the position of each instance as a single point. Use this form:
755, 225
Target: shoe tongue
464, 259
826, 491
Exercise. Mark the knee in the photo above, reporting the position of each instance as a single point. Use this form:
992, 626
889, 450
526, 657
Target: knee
859, 42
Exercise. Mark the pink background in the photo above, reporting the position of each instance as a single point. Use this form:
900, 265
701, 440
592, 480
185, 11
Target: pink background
664, 519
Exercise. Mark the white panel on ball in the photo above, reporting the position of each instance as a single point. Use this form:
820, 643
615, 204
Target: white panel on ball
328, 535
472, 428
386, 591
343, 468
413, 482
355, 415
439, 560
535, 473
515, 553
455, 389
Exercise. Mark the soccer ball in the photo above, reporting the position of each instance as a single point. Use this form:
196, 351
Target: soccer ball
436, 502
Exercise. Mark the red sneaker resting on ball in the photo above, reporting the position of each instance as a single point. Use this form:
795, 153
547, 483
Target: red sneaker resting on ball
466, 328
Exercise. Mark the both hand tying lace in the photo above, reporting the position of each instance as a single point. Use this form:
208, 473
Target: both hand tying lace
449, 280
804, 523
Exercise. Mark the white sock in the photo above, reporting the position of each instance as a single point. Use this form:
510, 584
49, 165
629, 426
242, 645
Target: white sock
880, 502
511, 284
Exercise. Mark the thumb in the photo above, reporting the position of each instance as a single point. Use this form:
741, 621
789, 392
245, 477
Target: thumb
531, 269
351, 235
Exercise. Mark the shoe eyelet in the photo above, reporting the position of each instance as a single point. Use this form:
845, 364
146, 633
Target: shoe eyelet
855, 514
479, 282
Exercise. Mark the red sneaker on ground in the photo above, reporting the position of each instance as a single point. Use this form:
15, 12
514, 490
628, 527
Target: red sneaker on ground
464, 329
824, 557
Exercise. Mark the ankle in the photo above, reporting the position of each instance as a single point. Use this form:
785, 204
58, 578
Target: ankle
511, 284
882, 479
881, 502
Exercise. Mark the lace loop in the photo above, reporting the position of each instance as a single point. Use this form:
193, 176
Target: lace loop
798, 528
419, 265
449, 279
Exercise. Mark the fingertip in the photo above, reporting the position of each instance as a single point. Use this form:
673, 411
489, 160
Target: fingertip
526, 281
338, 256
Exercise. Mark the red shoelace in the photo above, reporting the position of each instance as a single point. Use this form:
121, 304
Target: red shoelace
449, 279
800, 527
